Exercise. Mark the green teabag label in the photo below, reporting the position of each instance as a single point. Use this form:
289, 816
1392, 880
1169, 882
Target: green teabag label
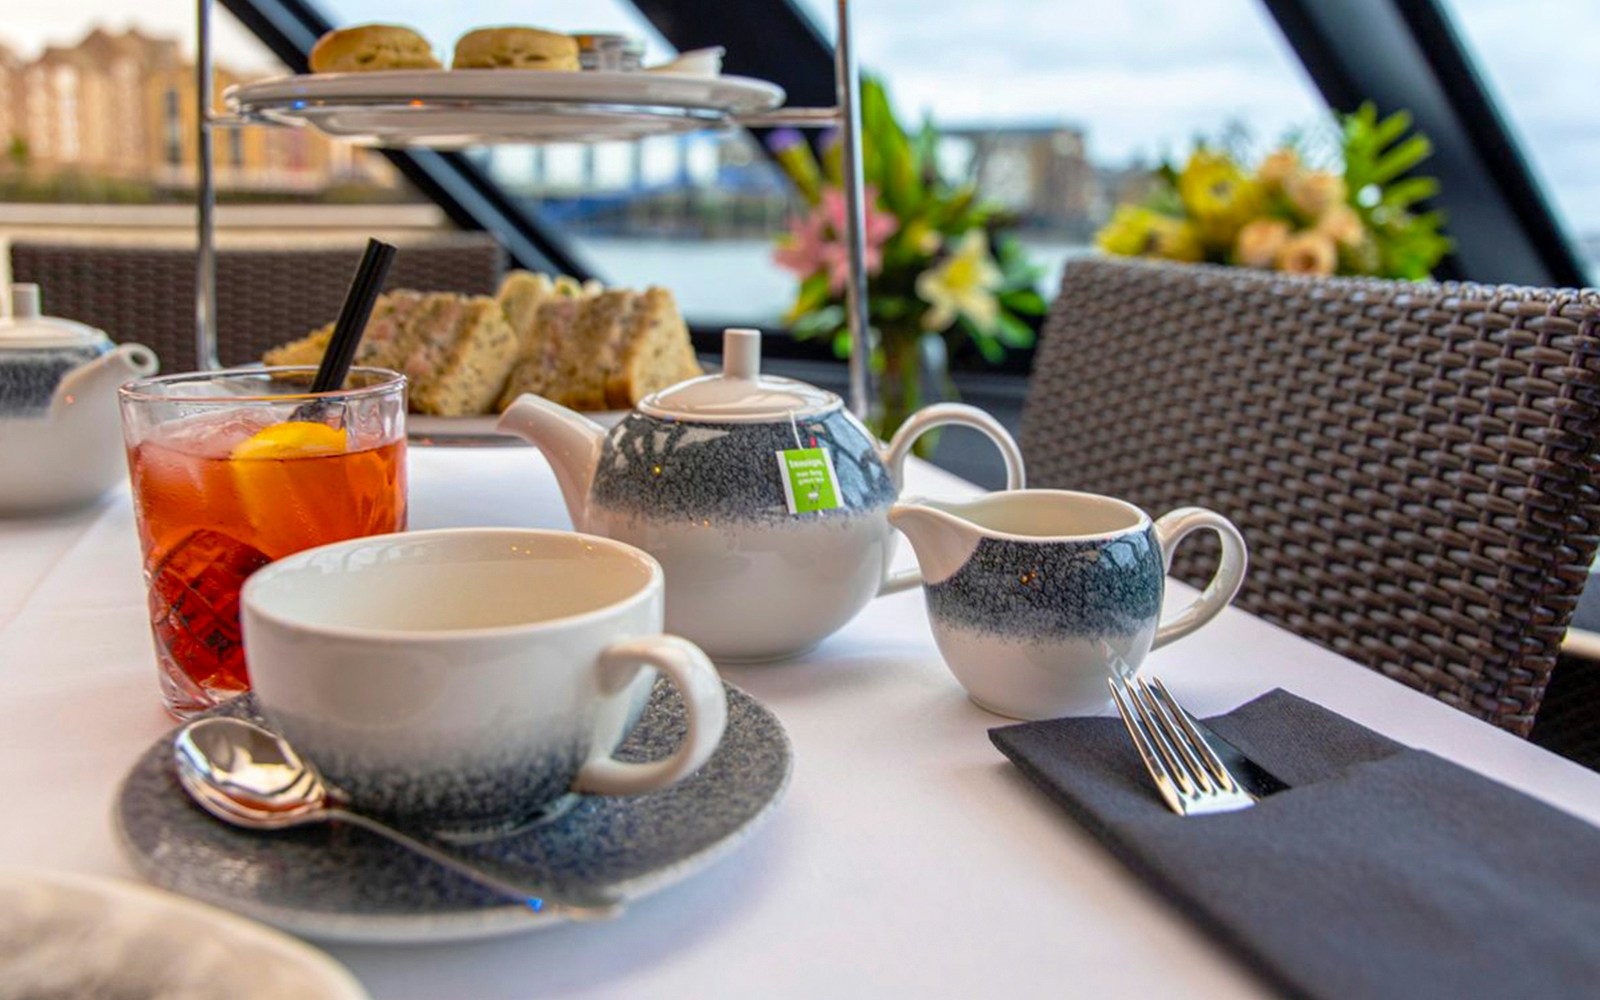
808, 480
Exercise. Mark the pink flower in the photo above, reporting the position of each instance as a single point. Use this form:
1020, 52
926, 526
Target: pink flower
816, 240
801, 250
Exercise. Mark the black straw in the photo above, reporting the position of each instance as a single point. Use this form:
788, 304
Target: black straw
352, 322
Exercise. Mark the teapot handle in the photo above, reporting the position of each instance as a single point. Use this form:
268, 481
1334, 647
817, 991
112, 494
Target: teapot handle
919, 423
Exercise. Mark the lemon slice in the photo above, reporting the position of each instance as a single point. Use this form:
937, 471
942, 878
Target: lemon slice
291, 439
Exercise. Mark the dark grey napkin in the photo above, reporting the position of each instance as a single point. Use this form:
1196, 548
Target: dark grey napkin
1383, 872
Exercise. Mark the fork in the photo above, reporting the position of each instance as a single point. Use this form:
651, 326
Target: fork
1187, 774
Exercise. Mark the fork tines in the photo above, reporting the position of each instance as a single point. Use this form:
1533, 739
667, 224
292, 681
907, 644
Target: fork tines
1187, 774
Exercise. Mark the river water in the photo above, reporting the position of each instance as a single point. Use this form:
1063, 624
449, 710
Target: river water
727, 281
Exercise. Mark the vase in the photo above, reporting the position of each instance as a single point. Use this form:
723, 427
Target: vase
915, 372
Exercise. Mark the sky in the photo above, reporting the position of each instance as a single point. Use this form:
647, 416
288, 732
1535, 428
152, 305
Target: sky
1143, 77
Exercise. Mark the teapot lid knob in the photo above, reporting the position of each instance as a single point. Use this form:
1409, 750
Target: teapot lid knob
741, 353
25, 301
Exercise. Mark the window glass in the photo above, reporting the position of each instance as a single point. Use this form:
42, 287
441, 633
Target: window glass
97, 106
696, 214
1546, 93
1059, 105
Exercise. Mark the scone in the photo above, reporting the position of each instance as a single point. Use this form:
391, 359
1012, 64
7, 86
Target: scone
371, 47
516, 48
654, 351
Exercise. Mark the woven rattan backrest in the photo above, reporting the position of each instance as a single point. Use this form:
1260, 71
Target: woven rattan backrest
264, 297
1413, 465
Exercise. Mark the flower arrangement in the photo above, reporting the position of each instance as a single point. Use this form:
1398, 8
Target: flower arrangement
943, 270
1288, 216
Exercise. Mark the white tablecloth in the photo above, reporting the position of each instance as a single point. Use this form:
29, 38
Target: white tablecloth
908, 859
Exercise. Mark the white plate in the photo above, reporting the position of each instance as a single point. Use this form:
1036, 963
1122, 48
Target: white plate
422, 426
463, 107
72, 935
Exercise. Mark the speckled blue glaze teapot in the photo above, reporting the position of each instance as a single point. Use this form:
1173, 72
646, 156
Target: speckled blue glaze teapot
60, 436
764, 499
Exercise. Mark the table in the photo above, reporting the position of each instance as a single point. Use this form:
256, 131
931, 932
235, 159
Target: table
908, 859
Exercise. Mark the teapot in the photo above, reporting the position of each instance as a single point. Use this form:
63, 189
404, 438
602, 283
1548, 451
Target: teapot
765, 500
60, 436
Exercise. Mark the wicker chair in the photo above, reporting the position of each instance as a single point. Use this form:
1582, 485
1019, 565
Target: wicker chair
264, 297
1413, 465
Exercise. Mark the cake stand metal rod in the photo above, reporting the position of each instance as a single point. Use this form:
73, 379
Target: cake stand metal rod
847, 82
205, 295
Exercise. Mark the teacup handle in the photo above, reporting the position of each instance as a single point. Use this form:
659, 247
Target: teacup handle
703, 696
918, 424
1174, 527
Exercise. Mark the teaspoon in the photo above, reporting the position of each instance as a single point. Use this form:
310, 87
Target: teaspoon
252, 778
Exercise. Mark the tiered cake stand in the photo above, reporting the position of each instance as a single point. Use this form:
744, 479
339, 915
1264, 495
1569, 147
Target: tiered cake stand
453, 109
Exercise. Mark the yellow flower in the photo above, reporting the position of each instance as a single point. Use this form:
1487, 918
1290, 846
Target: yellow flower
1341, 224
1278, 167
1219, 196
1136, 231
1176, 240
1130, 233
962, 285
1259, 242
1308, 252
1314, 192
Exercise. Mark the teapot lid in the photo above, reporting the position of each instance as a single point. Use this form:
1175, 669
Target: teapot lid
26, 329
740, 394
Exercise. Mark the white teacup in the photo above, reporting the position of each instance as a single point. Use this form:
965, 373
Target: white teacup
466, 680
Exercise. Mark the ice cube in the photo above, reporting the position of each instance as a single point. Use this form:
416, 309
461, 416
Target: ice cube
215, 434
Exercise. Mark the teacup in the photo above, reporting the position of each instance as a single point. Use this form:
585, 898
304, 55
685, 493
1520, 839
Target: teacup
467, 680
1037, 597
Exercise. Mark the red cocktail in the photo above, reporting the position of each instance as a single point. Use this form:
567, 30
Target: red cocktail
232, 470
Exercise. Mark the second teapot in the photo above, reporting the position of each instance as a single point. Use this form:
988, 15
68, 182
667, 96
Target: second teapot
764, 499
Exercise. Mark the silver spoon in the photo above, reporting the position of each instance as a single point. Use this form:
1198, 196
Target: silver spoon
251, 777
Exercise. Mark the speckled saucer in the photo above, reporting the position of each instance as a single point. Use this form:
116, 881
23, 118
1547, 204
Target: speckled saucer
335, 883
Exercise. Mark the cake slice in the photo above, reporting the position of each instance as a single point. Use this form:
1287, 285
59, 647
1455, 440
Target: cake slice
381, 343
459, 351
535, 366
654, 351
584, 358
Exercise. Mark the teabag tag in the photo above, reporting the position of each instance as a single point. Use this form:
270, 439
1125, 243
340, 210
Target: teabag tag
809, 482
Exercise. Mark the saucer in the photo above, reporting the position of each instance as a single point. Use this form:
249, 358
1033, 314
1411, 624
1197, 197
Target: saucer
336, 883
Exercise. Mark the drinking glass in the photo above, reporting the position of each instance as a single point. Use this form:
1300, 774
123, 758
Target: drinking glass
234, 469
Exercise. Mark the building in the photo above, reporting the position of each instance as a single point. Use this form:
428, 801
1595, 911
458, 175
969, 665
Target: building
1040, 172
122, 106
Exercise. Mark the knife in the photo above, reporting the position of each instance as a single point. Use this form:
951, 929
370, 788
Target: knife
1252, 777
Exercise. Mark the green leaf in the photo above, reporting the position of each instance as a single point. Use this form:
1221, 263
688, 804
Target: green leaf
1400, 159
1013, 332
1384, 133
1408, 191
822, 322
1025, 301
812, 295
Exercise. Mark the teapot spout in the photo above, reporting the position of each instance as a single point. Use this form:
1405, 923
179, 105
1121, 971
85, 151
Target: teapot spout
942, 539
570, 442
95, 382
